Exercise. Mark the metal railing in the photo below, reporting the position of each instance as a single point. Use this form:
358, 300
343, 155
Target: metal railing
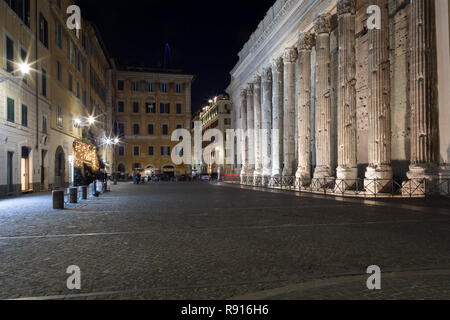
366, 188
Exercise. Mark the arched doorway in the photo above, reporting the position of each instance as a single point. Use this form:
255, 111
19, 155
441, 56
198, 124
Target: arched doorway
121, 168
60, 168
150, 170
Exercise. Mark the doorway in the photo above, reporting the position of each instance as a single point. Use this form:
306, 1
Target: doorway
43, 159
9, 170
60, 168
25, 170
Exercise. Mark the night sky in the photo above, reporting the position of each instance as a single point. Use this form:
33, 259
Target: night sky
205, 36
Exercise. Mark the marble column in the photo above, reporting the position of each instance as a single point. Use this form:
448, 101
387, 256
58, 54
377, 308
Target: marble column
290, 57
244, 141
423, 94
305, 45
347, 171
267, 124
250, 131
277, 118
443, 61
379, 172
324, 170
257, 118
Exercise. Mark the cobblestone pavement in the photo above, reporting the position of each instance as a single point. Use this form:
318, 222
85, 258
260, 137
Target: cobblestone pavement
202, 241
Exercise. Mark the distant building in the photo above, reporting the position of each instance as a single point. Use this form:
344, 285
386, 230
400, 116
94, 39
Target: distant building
217, 115
149, 105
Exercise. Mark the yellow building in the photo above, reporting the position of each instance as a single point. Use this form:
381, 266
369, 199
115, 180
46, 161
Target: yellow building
149, 105
45, 112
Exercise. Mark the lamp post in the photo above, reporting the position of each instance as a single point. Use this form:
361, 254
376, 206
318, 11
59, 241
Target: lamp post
24, 69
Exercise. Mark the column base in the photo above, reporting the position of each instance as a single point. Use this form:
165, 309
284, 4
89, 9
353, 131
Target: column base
288, 172
257, 177
378, 179
322, 179
423, 180
444, 180
302, 178
346, 179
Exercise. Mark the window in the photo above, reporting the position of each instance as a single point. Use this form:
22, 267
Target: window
121, 107
78, 60
135, 107
121, 130
44, 124
165, 129
78, 89
227, 121
44, 82
165, 151
84, 69
136, 128
136, 166
179, 126
70, 83
164, 87
179, 88
58, 34
121, 151
70, 122
10, 110
9, 55
151, 129
43, 30
151, 151
23, 57
59, 120
136, 151
150, 107
120, 85
150, 86
164, 108
21, 8
84, 98
24, 115
134, 85
179, 108
69, 49
58, 70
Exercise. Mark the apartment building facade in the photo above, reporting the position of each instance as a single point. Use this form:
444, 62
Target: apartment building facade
149, 105
43, 115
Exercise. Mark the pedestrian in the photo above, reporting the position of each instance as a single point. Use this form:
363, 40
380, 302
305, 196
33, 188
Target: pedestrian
138, 178
134, 177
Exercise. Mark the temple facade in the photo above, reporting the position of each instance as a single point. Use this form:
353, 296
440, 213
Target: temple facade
346, 95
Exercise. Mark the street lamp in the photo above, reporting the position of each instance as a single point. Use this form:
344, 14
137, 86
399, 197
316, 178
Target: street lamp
24, 69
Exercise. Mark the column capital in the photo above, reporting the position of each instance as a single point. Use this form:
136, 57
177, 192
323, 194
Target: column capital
267, 74
257, 80
322, 24
243, 93
290, 55
346, 7
306, 41
250, 88
277, 65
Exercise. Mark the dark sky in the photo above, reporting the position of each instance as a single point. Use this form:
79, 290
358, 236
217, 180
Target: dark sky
205, 35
